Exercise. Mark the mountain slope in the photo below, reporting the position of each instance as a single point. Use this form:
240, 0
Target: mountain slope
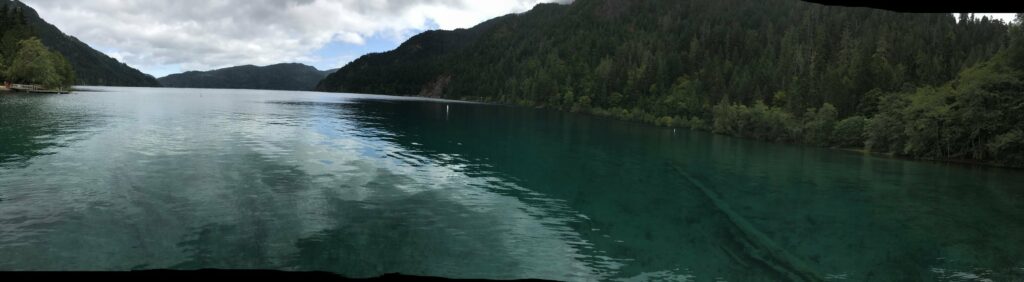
777, 70
290, 76
741, 49
91, 67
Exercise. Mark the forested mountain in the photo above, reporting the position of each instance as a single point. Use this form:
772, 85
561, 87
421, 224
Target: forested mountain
780, 70
290, 76
19, 22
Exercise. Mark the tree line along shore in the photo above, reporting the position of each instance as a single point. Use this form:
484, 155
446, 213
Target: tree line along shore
921, 86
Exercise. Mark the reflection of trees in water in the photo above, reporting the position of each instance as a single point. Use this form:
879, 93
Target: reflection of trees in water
32, 124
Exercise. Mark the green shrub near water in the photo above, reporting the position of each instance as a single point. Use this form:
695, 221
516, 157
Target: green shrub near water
36, 64
977, 117
819, 124
759, 122
849, 132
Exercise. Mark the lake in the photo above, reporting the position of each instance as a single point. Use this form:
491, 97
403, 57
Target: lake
363, 185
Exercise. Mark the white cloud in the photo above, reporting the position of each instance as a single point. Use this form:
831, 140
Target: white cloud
1005, 17
208, 34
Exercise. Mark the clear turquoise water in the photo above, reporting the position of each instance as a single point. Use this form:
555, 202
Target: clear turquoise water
139, 178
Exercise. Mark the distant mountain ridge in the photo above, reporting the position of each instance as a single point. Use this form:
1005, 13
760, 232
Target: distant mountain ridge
286, 76
92, 67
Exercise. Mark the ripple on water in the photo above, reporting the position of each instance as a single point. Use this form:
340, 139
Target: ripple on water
167, 178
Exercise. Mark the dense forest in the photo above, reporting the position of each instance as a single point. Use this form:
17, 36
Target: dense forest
932, 86
19, 22
290, 76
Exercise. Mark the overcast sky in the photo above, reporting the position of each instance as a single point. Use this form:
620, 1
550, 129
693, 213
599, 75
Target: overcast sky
165, 37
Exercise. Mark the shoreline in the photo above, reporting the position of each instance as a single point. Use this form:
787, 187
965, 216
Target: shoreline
69, 90
863, 151
968, 163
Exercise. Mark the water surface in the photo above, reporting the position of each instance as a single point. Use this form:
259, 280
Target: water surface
362, 185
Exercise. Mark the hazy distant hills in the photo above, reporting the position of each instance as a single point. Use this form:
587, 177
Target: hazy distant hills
289, 76
92, 67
